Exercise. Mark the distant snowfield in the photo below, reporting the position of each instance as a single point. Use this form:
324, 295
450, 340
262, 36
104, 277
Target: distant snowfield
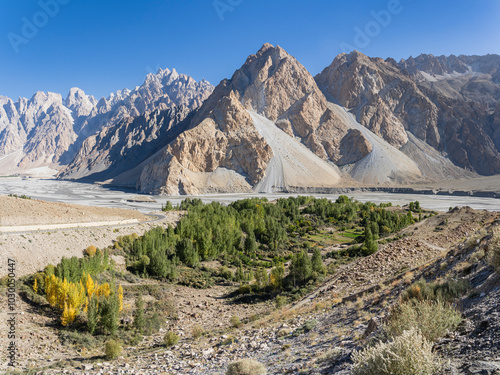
293, 164
95, 195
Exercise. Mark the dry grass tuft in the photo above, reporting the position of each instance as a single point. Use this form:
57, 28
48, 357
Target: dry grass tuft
408, 354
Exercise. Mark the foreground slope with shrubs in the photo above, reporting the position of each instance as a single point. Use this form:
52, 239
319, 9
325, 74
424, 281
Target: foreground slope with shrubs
308, 298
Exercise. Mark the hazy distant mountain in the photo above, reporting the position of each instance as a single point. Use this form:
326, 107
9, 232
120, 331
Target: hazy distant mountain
43, 134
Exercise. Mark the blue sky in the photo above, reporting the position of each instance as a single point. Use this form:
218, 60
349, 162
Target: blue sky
102, 46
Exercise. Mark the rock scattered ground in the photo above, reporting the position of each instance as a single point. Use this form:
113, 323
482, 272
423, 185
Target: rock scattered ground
314, 336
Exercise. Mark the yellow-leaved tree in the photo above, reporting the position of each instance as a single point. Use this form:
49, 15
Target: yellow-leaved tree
120, 298
68, 316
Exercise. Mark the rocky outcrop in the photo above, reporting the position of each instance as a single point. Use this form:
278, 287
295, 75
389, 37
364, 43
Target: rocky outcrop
380, 97
275, 85
379, 122
272, 84
223, 153
118, 148
473, 78
353, 147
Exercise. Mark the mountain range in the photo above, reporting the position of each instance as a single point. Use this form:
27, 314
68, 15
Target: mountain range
271, 127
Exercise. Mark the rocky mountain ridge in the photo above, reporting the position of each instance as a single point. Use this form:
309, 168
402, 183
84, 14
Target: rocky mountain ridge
47, 131
389, 128
389, 101
367, 120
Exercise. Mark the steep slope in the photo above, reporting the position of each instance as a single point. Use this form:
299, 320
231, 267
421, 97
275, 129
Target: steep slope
474, 78
117, 148
387, 100
39, 131
292, 166
223, 153
384, 164
396, 131
381, 97
275, 85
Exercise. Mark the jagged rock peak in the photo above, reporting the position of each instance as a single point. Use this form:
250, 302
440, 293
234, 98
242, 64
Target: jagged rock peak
75, 94
41, 96
80, 102
277, 53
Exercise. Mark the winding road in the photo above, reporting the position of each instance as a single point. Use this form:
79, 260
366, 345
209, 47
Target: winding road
25, 229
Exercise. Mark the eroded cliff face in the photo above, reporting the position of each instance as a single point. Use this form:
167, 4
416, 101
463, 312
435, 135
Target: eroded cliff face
39, 130
275, 85
223, 153
375, 121
391, 99
116, 149
380, 97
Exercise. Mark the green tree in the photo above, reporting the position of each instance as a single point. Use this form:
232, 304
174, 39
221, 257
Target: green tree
139, 313
370, 246
167, 207
375, 229
250, 245
92, 315
109, 310
276, 278
261, 278
301, 268
318, 267
187, 253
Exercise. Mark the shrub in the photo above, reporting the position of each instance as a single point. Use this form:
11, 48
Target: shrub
476, 256
229, 340
432, 318
280, 301
225, 273
82, 340
113, 349
153, 322
90, 251
170, 339
494, 248
408, 354
245, 289
235, 321
246, 367
197, 331
445, 291
306, 327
